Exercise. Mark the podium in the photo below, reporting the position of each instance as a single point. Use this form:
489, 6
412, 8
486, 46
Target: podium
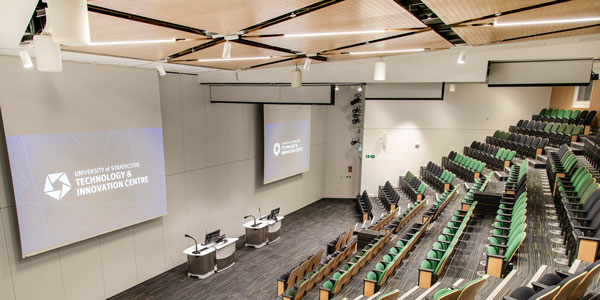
264, 232
211, 258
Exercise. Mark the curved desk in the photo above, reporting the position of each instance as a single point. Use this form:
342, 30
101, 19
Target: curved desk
212, 258
265, 232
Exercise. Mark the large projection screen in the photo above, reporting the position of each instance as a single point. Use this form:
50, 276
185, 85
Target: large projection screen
287, 141
86, 152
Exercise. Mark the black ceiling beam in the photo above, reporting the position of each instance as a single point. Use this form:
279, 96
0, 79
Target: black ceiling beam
376, 40
271, 63
422, 12
546, 33
195, 49
146, 20
514, 11
264, 46
291, 15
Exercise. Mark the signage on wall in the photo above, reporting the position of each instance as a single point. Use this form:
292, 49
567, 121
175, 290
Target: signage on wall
370, 156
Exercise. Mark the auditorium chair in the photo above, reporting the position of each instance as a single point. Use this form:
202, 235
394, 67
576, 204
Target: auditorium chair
496, 158
527, 293
591, 150
413, 187
467, 292
388, 196
464, 167
440, 179
363, 205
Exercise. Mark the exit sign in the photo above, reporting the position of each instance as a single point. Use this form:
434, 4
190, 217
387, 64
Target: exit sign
370, 156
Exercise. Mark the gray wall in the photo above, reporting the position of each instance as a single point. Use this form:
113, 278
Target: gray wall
213, 164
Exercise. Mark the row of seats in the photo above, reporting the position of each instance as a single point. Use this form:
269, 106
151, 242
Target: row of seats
467, 292
348, 270
557, 133
566, 116
399, 222
558, 285
364, 206
383, 221
390, 262
559, 164
308, 282
388, 196
297, 275
464, 167
496, 158
433, 265
413, 187
508, 231
591, 150
440, 179
340, 241
524, 145
478, 186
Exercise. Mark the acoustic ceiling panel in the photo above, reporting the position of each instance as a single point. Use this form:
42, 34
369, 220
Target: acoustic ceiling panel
222, 16
482, 35
453, 11
105, 28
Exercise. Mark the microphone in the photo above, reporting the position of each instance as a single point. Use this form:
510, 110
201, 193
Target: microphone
259, 213
248, 216
189, 236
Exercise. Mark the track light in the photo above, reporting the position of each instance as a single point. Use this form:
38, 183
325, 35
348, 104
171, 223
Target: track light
47, 54
543, 22
112, 43
379, 71
233, 59
25, 59
333, 33
296, 78
226, 50
355, 101
354, 141
307, 64
359, 88
70, 23
462, 57
386, 51
356, 110
161, 70
355, 121
452, 87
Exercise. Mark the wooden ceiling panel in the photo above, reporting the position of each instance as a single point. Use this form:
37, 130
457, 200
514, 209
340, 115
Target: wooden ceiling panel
219, 16
568, 10
109, 29
453, 11
349, 15
237, 50
486, 35
427, 39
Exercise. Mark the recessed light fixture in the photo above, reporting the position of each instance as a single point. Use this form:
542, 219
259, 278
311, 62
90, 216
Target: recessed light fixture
292, 35
233, 59
132, 42
386, 51
542, 22
452, 87
337, 88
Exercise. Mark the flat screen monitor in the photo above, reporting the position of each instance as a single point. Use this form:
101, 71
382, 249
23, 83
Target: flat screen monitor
211, 237
274, 214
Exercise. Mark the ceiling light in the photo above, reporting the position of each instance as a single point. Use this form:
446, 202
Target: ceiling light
70, 23
337, 88
161, 70
333, 33
47, 54
452, 87
296, 78
25, 59
306, 64
462, 57
359, 88
379, 71
226, 50
132, 42
233, 59
542, 22
385, 51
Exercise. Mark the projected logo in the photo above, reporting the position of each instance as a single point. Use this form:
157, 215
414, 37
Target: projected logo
57, 185
276, 149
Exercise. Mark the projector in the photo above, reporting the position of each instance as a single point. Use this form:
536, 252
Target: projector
594, 76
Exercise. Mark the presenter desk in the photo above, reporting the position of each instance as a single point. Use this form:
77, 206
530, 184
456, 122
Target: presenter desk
265, 231
211, 258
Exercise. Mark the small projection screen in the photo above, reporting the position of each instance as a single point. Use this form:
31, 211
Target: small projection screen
85, 158
287, 141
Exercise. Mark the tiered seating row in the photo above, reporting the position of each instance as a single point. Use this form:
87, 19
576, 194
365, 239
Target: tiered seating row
384, 221
433, 265
496, 158
591, 150
363, 205
400, 221
524, 145
479, 186
558, 285
464, 167
440, 179
348, 270
302, 278
556, 133
509, 228
388, 196
390, 262
413, 187
584, 118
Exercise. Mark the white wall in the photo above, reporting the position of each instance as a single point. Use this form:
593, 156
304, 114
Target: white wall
214, 177
471, 113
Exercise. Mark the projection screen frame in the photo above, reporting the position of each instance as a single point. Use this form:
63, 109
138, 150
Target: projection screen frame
275, 85
538, 84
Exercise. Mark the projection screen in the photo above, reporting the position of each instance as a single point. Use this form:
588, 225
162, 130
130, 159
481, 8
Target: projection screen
286, 141
85, 160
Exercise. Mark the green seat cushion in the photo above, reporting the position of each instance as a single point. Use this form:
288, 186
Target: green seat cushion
371, 276
328, 285
439, 294
400, 243
387, 258
379, 267
337, 275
